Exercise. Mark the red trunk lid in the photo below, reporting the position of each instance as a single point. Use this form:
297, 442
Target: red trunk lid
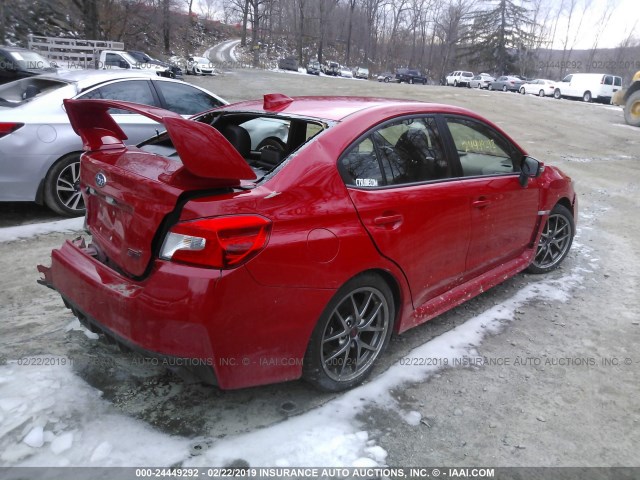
130, 192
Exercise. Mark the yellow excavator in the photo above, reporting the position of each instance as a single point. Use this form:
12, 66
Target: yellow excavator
630, 100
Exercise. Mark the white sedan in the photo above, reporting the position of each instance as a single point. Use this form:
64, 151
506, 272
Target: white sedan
540, 87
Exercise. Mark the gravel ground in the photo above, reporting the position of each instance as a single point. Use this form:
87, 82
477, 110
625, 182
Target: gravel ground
561, 384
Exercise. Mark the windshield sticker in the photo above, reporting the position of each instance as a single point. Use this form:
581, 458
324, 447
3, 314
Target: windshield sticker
366, 182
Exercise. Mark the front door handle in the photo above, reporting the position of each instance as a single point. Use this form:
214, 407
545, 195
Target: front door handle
387, 220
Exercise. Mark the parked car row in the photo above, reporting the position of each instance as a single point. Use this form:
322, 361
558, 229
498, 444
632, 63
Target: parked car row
586, 86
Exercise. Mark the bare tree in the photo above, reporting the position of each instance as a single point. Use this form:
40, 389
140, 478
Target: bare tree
325, 7
90, 17
352, 5
208, 8
3, 28
601, 24
569, 44
301, 10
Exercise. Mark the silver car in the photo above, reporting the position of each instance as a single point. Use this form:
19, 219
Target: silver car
481, 80
40, 152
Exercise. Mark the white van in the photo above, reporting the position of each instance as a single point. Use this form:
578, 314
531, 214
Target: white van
588, 86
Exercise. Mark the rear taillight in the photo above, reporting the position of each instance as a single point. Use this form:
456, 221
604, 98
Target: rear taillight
9, 127
220, 242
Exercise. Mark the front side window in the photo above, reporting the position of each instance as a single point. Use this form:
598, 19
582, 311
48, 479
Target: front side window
403, 152
482, 151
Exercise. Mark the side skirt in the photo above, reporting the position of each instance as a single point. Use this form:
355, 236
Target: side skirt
467, 291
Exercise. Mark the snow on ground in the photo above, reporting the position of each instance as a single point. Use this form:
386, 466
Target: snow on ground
9, 234
50, 417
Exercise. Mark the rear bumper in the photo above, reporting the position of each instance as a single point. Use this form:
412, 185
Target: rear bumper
222, 322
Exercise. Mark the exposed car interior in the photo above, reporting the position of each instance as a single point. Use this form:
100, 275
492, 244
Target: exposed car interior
263, 141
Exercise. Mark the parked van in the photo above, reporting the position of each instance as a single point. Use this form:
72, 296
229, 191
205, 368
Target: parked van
588, 86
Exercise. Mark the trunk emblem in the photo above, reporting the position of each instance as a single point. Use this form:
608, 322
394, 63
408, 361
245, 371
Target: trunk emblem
101, 180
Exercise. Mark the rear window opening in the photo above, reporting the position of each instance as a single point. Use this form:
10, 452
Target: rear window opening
264, 141
16, 93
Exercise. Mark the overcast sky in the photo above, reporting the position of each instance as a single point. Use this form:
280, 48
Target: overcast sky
625, 18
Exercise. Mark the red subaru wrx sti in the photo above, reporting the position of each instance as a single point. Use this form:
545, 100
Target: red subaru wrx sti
271, 240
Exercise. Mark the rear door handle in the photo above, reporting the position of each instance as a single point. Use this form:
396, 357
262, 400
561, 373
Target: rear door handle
481, 202
387, 220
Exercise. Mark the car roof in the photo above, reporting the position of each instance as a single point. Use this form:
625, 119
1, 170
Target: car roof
334, 108
87, 78
14, 49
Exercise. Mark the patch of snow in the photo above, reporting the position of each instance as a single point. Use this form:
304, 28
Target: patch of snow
50, 403
9, 234
76, 325
35, 437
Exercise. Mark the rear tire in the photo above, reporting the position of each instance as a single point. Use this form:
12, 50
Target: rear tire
586, 97
350, 335
632, 109
541, 93
62, 192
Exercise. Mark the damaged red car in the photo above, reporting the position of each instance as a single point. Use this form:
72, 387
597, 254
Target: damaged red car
271, 240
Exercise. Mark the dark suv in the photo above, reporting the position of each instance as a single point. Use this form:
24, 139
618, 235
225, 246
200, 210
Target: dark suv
16, 63
410, 76
174, 71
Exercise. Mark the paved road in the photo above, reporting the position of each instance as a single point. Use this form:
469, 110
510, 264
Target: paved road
223, 52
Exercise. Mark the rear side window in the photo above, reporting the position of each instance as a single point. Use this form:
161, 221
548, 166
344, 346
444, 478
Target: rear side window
16, 93
138, 91
608, 80
403, 152
481, 150
185, 99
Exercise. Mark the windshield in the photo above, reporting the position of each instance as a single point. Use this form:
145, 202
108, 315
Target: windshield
31, 60
17, 93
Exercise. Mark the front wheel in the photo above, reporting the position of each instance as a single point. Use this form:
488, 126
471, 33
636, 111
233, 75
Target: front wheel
62, 192
632, 109
352, 332
556, 94
555, 240
522, 91
490, 87
504, 88
410, 81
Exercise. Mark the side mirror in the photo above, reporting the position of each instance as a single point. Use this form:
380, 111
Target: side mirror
530, 168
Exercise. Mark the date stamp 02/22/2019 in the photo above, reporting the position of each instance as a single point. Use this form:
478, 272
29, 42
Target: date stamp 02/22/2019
591, 65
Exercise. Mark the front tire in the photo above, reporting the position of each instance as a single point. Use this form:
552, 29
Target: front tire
632, 109
490, 87
557, 94
62, 192
555, 240
522, 90
350, 335
504, 88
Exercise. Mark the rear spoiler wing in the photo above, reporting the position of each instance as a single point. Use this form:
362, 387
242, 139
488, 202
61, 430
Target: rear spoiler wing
204, 151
